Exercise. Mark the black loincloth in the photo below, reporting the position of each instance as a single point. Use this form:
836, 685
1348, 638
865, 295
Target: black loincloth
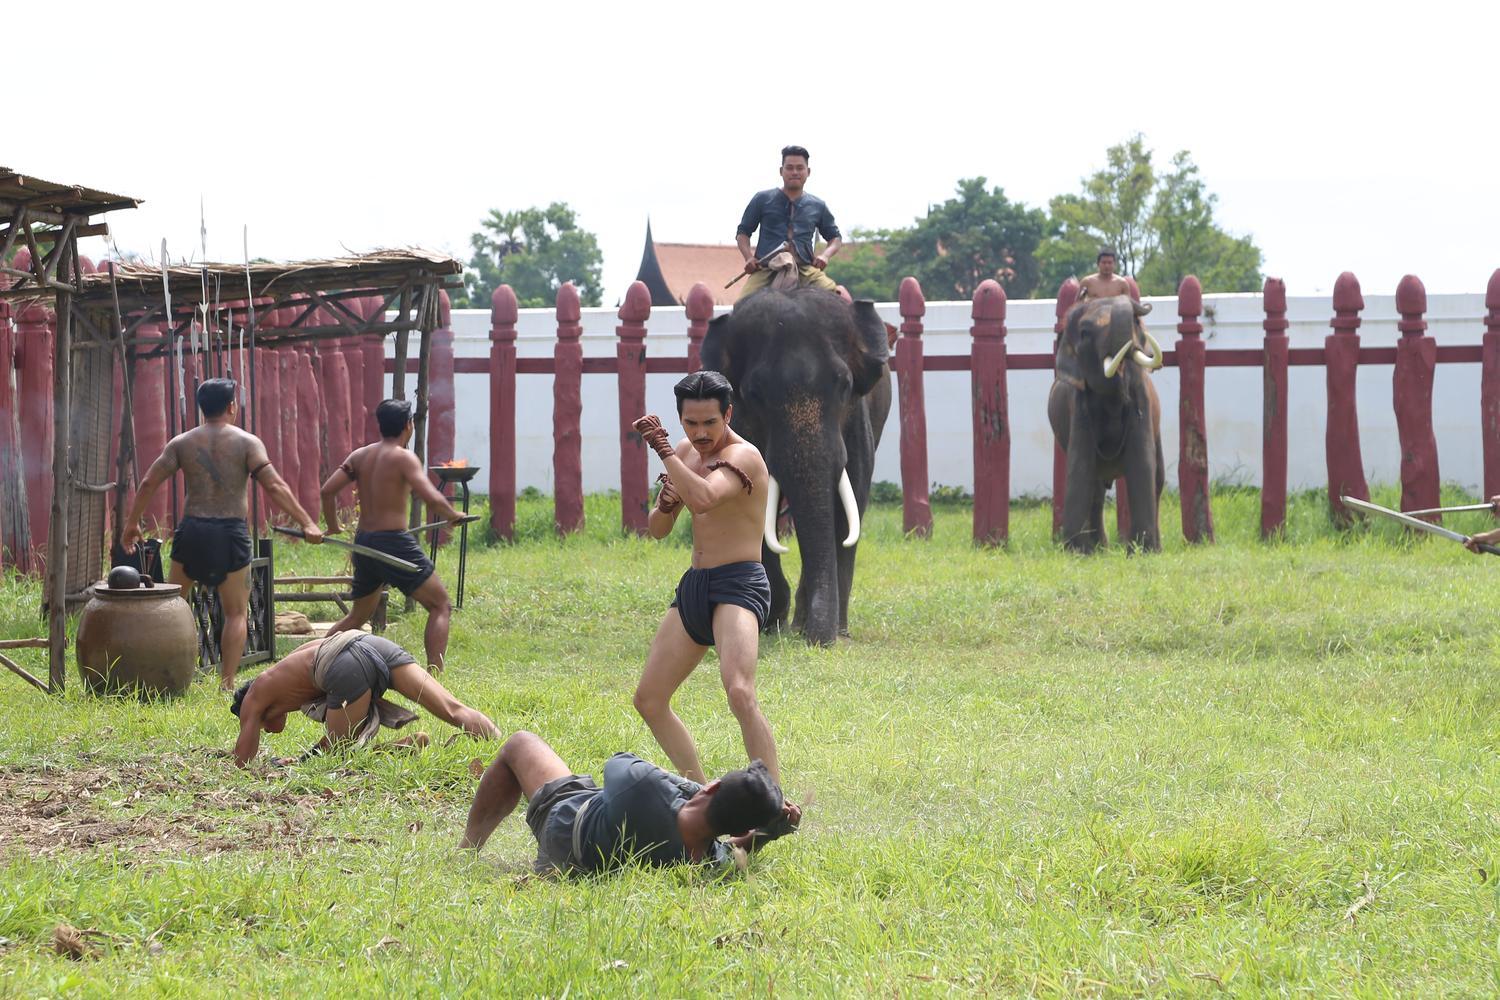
210, 548
742, 584
369, 573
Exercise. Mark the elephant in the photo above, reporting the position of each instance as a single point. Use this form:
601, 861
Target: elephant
1105, 414
812, 391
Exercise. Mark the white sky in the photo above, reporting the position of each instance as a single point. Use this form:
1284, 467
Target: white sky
1357, 137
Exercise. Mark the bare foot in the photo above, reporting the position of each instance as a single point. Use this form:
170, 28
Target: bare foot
414, 742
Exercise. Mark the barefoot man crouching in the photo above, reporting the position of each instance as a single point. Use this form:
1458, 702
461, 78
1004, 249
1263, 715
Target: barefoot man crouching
722, 601
642, 813
387, 474
340, 681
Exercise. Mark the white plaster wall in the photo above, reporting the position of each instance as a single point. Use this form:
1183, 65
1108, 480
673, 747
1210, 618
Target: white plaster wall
1232, 395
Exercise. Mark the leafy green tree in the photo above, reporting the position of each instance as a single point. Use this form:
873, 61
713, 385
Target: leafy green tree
977, 235
534, 251
863, 266
1190, 242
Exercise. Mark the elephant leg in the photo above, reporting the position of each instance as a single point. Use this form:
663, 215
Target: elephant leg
781, 594
1096, 514
799, 610
1082, 520
1143, 479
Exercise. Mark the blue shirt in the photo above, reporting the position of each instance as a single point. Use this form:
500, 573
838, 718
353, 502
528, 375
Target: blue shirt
770, 211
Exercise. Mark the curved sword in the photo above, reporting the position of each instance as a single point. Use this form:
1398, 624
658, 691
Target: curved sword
1413, 522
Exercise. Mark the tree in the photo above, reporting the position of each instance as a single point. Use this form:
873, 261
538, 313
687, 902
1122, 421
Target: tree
977, 235
534, 251
1161, 226
863, 266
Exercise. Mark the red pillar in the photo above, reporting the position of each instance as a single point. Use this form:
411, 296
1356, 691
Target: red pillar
440, 401
700, 309
1416, 359
372, 346
503, 314
1273, 402
34, 333
1489, 388
1346, 470
149, 393
1192, 449
916, 513
334, 376
11, 535
1067, 296
630, 352
991, 416
289, 415
359, 409
567, 415
268, 415
310, 441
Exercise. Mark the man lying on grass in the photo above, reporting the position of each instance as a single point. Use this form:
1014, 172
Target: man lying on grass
642, 813
340, 681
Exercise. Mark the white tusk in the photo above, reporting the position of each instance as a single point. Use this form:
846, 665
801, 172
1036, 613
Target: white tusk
1157, 360
773, 503
851, 509
1142, 358
1113, 364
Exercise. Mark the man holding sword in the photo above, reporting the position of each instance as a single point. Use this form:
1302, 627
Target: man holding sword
387, 474
788, 218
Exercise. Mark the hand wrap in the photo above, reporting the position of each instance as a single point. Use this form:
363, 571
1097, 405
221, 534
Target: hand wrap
655, 435
667, 500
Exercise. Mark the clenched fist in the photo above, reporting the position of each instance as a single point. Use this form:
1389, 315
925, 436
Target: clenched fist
649, 427
667, 500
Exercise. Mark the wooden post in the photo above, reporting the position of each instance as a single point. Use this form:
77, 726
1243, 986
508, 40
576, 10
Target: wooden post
428, 315
1273, 406
630, 353
1067, 296
1346, 470
503, 315
916, 509
567, 415
62, 484
309, 443
700, 309
403, 342
1489, 388
441, 427
1416, 359
35, 358
991, 416
372, 346
1192, 451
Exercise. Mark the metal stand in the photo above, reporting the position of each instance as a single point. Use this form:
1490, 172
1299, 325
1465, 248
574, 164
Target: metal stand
460, 475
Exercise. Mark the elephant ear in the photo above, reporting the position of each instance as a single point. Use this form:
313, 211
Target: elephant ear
714, 353
1067, 365
871, 349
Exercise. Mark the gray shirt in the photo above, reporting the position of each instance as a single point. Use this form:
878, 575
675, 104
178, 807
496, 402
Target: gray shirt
635, 817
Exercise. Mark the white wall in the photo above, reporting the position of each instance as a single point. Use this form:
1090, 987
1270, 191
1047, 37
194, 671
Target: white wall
1232, 395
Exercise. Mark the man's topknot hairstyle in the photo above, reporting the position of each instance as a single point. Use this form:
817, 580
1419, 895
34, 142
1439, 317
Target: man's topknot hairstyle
393, 415
746, 800
795, 151
703, 385
215, 395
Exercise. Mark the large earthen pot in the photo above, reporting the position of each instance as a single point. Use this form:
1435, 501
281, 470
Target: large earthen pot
137, 638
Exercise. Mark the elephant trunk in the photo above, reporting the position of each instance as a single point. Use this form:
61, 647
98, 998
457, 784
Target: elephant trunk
813, 507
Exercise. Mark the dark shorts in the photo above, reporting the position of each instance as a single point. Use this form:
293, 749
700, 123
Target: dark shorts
552, 814
742, 584
210, 548
364, 666
370, 574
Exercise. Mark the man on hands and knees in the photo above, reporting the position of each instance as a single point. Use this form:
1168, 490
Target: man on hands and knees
723, 600
387, 474
212, 543
642, 812
341, 681
1103, 282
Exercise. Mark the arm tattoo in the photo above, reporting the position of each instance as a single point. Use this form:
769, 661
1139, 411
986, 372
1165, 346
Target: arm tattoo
749, 486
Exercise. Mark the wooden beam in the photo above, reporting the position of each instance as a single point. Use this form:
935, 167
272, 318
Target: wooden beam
17, 220
21, 672
62, 478
23, 643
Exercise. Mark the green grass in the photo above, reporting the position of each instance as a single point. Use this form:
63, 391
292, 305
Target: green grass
1028, 773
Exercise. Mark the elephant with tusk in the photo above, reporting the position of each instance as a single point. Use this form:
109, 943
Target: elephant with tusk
1106, 416
812, 391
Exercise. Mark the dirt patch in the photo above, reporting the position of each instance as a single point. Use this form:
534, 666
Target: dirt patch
90, 808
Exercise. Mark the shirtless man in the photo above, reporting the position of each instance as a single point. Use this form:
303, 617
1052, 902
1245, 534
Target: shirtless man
388, 474
212, 542
340, 681
723, 600
1104, 282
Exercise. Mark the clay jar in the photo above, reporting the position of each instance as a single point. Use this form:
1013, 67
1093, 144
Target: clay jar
139, 639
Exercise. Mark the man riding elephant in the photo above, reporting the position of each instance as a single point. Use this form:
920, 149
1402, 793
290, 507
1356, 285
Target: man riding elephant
811, 391
1106, 416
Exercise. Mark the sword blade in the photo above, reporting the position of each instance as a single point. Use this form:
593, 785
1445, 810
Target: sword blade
467, 519
1451, 510
1406, 519
363, 550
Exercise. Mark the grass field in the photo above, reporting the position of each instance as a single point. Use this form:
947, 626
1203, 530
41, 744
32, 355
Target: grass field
1237, 769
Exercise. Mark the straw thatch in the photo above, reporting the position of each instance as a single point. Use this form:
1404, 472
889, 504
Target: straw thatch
50, 197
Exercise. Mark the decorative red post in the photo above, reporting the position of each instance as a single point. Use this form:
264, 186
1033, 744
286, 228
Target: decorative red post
991, 416
916, 514
290, 465
1192, 451
1416, 358
310, 442
11, 482
1346, 470
1489, 388
567, 414
268, 414
503, 315
630, 352
359, 409
1273, 402
34, 334
149, 394
1122, 494
440, 394
1067, 296
334, 376
372, 346
700, 309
